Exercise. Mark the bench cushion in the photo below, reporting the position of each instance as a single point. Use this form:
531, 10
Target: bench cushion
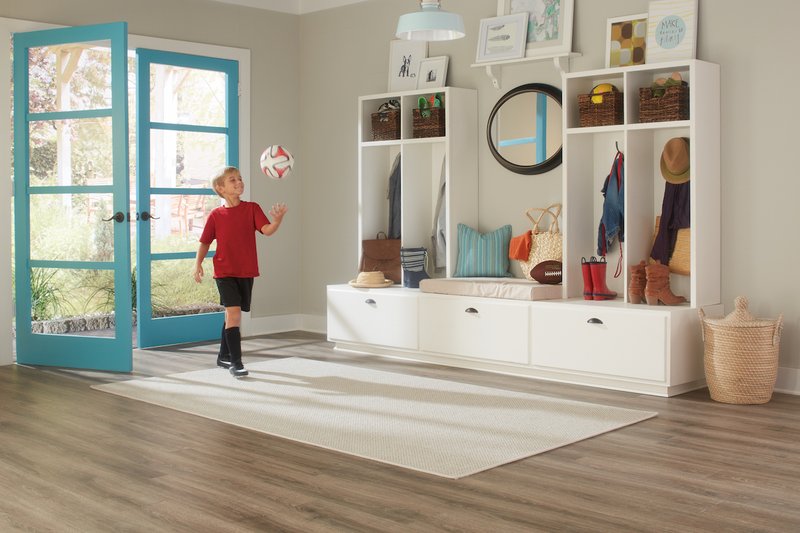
509, 288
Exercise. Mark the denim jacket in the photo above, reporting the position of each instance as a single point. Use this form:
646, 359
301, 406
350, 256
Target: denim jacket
612, 224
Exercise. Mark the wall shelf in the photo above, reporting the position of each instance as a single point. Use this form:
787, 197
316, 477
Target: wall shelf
493, 68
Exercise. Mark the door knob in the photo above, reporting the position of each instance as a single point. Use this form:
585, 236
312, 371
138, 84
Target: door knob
119, 216
147, 216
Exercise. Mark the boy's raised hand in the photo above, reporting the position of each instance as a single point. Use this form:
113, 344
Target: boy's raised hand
278, 210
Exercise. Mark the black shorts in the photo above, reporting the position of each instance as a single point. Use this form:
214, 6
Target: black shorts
235, 292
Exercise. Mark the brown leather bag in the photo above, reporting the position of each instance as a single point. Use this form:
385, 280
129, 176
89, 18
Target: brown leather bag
381, 254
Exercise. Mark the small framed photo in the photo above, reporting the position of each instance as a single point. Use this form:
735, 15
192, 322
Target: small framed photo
626, 40
404, 60
502, 37
671, 30
432, 72
549, 30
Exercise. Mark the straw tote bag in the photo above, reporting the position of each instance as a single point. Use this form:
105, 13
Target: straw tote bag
680, 260
546, 244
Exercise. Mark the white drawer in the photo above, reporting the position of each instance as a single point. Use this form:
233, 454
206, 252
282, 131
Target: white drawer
613, 342
386, 317
474, 327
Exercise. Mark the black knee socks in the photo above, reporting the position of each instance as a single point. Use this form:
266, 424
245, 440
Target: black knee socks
223, 344
234, 342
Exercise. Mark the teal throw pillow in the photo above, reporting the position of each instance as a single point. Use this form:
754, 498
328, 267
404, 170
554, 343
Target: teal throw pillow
483, 254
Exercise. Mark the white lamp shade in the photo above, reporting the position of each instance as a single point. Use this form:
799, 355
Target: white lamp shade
430, 25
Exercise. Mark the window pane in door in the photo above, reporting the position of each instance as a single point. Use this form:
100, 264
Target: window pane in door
180, 222
175, 292
70, 227
180, 95
65, 301
185, 158
71, 152
70, 77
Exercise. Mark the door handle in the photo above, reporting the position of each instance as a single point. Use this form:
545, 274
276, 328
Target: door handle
594, 321
119, 216
471, 310
147, 216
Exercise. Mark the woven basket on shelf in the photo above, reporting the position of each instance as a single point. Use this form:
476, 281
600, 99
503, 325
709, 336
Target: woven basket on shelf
429, 123
672, 105
741, 355
386, 125
605, 110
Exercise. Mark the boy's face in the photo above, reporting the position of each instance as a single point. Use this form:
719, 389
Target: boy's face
232, 185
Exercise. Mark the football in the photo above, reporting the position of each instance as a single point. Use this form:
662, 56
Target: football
547, 272
277, 162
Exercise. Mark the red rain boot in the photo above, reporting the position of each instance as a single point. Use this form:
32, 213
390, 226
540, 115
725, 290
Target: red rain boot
587, 278
600, 291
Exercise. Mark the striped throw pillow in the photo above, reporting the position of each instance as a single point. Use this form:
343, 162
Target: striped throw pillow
483, 254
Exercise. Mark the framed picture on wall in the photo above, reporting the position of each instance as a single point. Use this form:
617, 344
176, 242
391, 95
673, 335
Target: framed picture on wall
549, 30
432, 72
502, 38
626, 40
404, 60
671, 30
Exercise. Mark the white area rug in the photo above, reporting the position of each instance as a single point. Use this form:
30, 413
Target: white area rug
440, 427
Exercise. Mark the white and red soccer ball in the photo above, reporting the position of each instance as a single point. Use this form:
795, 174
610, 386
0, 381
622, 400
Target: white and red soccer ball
277, 162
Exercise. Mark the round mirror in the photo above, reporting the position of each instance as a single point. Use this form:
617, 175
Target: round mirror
524, 129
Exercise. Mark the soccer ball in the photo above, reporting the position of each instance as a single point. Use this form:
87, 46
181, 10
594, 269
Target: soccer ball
276, 162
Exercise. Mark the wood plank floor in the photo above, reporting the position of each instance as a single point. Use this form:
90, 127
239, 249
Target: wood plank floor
75, 459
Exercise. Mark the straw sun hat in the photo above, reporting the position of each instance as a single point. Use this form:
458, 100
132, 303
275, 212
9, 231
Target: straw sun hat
371, 280
675, 160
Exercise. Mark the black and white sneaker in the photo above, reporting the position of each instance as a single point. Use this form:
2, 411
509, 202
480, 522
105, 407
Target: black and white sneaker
238, 370
224, 361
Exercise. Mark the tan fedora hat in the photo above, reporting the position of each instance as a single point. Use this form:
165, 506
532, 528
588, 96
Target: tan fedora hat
675, 160
371, 280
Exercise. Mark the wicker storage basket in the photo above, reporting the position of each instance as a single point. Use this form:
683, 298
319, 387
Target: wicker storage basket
605, 113
431, 124
741, 355
672, 105
386, 125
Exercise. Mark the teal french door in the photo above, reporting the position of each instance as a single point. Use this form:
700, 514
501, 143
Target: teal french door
187, 130
71, 192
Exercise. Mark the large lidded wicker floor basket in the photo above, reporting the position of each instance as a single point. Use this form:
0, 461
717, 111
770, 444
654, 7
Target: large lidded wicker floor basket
741, 355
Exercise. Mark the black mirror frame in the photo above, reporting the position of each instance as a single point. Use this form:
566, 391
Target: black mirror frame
540, 168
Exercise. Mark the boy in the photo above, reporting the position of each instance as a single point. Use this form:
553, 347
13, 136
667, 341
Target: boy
235, 261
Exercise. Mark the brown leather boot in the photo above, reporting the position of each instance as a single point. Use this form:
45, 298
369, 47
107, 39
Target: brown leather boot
637, 283
657, 288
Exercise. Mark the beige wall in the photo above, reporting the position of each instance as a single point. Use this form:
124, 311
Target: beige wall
342, 53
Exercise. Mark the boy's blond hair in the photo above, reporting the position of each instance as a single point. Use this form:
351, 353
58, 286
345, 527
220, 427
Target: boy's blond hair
219, 179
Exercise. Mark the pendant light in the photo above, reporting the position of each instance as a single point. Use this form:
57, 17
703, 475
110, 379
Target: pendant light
430, 24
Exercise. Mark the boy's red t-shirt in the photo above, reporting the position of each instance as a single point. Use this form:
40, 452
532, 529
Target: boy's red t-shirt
234, 229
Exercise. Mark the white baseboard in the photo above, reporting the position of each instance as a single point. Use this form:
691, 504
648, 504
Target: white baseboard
788, 380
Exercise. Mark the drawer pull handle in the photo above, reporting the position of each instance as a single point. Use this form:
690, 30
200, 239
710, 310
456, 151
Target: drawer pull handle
594, 321
369, 301
470, 310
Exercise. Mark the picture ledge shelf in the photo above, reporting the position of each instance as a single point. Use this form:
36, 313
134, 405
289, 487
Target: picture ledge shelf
561, 62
